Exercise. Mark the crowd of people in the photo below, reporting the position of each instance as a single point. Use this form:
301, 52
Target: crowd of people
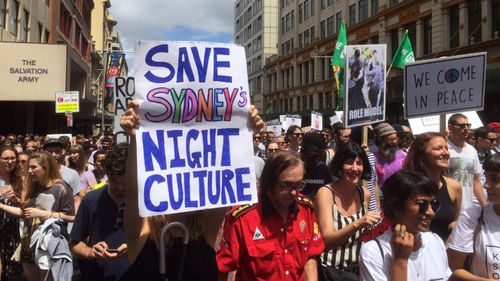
400, 207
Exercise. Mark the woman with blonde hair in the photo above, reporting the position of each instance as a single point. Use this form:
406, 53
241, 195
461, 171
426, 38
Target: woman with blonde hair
428, 155
43, 179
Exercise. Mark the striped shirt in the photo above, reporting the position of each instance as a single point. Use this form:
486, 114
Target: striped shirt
346, 255
370, 184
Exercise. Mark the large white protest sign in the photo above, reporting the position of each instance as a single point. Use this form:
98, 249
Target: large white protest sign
445, 85
123, 94
421, 125
194, 147
316, 121
365, 82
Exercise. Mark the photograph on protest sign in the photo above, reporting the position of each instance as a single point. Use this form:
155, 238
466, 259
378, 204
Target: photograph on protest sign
274, 126
365, 84
123, 94
316, 121
445, 85
292, 119
194, 142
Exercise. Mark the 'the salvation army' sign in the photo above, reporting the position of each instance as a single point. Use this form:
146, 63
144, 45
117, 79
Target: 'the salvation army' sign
445, 85
194, 147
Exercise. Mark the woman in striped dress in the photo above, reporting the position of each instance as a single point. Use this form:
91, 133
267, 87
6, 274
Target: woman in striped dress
342, 213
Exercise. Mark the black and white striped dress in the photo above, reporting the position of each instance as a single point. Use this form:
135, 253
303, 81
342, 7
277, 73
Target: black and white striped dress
345, 256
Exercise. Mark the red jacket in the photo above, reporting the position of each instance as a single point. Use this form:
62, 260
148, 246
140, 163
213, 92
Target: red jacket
264, 247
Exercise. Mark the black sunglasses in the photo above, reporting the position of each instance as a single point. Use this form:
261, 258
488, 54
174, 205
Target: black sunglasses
463, 126
298, 134
423, 206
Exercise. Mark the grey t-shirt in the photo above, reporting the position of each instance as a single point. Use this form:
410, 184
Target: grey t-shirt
72, 178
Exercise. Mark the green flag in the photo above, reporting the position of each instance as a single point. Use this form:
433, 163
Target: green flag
338, 61
339, 52
404, 54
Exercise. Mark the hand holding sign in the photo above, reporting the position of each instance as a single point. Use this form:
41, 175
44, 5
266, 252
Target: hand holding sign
130, 120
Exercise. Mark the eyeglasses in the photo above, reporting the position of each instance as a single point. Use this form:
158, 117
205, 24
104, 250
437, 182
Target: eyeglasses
289, 186
7, 159
463, 126
423, 206
298, 135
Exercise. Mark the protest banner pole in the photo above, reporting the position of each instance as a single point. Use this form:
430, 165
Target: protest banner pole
364, 135
442, 124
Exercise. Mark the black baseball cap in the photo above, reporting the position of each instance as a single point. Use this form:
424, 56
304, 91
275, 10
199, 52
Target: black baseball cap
52, 142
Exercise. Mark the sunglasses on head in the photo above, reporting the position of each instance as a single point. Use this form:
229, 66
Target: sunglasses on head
423, 206
463, 126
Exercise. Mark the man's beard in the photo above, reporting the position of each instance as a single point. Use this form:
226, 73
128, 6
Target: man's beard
388, 151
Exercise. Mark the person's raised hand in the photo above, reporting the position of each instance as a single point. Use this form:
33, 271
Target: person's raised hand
256, 122
402, 242
130, 119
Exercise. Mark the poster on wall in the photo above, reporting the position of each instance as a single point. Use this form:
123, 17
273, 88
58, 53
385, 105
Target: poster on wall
365, 84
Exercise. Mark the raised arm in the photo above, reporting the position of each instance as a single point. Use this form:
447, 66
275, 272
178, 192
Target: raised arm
136, 228
335, 238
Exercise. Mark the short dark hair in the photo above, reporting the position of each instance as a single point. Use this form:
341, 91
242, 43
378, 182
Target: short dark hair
99, 152
482, 132
116, 160
292, 128
453, 119
349, 151
404, 185
106, 139
492, 164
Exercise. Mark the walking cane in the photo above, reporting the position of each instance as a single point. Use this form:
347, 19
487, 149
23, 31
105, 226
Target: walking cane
185, 240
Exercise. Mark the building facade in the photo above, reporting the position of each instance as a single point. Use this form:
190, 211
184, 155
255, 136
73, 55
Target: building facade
299, 78
105, 39
25, 24
256, 28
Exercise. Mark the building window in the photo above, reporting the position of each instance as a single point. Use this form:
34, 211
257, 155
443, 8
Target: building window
304, 103
291, 104
307, 9
330, 25
374, 7
3, 10
338, 20
427, 32
474, 21
323, 29
412, 35
363, 10
394, 42
320, 100
454, 26
495, 15
301, 13
352, 14
40, 32
14, 12
311, 102
393, 2
25, 25
65, 21
323, 4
